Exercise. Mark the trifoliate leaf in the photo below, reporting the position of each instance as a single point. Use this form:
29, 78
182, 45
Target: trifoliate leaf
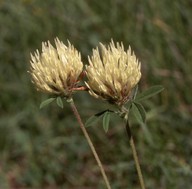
59, 102
136, 113
149, 93
141, 111
46, 102
106, 119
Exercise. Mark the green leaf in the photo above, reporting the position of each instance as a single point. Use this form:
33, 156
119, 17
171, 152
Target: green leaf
141, 111
59, 102
92, 120
106, 119
147, 134
95, 118
101, 113
149, 93
136, 113
46, 102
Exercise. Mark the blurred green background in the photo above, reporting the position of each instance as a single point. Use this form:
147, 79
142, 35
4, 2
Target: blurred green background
46, 148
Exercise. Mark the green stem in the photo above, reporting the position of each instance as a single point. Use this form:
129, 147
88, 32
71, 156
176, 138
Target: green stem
135, 156
76, 113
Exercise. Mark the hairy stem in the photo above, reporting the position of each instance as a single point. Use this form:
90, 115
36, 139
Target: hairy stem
135, 156
76, 113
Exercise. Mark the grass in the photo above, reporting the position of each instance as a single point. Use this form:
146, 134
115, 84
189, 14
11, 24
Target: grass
45, 148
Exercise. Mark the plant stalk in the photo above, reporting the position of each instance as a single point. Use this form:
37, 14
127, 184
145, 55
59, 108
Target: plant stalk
135, 156
76, 113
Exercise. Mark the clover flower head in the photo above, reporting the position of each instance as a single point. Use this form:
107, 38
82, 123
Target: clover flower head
113, 73
56, 70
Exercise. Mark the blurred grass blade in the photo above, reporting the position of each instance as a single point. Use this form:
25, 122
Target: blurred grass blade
59, 102
106, 119
141, 111
46, 102
149, 92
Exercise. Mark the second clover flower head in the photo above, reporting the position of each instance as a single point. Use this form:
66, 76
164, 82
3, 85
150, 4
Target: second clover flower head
113, 73
56, 70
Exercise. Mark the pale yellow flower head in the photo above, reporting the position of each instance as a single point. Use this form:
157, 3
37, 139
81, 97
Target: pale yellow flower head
113, 73
56, 70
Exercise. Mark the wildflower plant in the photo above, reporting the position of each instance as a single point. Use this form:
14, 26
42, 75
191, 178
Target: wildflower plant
112, 75
57, 71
